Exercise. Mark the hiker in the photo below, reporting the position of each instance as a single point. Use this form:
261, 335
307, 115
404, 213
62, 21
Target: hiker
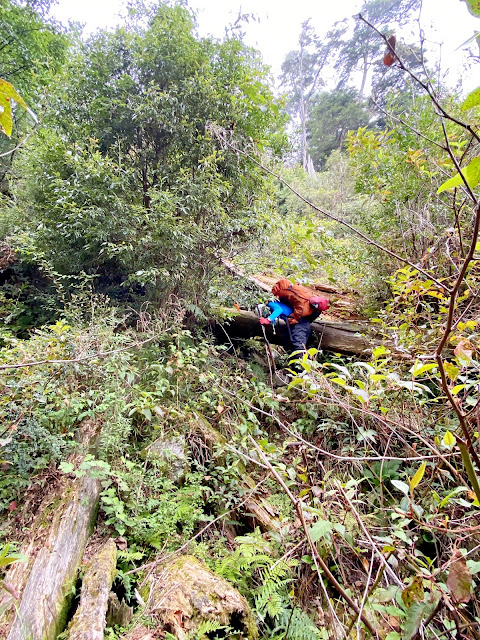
304, 307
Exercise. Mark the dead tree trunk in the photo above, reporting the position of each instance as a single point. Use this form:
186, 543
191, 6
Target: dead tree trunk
341, 337
184, 594
89, 620
54, 550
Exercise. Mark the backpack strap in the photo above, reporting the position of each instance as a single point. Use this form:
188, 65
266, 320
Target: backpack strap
290, 288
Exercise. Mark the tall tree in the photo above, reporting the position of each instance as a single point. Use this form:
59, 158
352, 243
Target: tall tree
358, 52
32, 49
332, 115
301, 74
130, 184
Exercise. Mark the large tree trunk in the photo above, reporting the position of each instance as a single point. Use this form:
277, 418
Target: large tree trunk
341, 337
89, 620
48, 589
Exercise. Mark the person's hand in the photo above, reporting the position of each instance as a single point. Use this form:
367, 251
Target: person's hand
264, 321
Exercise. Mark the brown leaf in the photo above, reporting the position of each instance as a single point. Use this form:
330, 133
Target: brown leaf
389, 57
464, 352
414, 592
459, 579
394, 622
121, 543
178, 615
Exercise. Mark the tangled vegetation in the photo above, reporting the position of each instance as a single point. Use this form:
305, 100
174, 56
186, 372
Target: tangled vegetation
343, 504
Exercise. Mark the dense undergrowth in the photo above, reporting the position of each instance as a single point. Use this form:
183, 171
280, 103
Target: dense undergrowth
366, 447
151, 166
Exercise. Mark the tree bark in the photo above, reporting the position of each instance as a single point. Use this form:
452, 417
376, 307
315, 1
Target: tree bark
89, 620
44, 603
54, 549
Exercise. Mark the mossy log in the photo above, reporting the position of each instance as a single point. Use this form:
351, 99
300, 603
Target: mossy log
52, 568
185, 594
89, 620
339, 337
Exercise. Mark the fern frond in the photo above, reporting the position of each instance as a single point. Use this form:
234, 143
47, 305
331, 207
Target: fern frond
206, 627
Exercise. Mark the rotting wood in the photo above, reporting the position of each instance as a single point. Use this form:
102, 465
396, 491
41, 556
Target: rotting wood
185, 593
54, 548
338, 337
118, 613
89, 620
42, 612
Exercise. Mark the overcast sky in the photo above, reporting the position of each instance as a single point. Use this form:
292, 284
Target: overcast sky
447, 23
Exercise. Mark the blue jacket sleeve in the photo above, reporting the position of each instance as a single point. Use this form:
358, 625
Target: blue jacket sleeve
278, 309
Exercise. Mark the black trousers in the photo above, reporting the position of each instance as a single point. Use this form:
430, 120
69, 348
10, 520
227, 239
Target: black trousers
300, 334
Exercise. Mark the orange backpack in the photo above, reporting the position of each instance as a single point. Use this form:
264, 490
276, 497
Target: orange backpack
300, 299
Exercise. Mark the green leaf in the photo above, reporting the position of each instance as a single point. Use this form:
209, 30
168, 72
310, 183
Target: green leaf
360, 393
366, 366
321, 529
417, 613
472, 100
471, 173
417, 478
343, 370
473, 7
418, 368
66, 467
402, 486
473, 566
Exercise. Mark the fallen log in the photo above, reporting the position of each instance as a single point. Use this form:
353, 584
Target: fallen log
185, 595
89, 620
56, 542
48, 589
339, 337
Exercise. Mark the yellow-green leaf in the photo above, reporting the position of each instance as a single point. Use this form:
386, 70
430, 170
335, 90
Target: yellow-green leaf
8, 89
451, 370
473, 7
472, 100
5, 115
418, 368
417, 478
449, 439
457, 388
471, 173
